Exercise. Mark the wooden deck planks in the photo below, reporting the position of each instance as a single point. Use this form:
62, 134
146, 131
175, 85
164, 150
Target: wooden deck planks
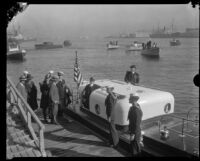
75, 140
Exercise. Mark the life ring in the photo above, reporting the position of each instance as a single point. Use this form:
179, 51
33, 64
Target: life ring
167, 108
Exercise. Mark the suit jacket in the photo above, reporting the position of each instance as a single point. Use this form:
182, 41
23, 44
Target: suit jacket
61, 88
110, 103
131, 78
54, 95
21, 88
135, 118
32, 94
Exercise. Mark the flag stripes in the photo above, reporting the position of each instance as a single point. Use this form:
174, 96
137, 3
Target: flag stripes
77, 74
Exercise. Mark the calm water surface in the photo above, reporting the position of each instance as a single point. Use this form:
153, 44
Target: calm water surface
172, 72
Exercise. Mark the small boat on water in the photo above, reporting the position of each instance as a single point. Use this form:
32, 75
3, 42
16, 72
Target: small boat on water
150, 52
175, 42
136, 46
48, 45
14, 52
112, 45
67, 43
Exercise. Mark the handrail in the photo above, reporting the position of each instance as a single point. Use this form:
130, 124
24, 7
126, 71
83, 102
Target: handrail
27, 114
26, 104
181, 118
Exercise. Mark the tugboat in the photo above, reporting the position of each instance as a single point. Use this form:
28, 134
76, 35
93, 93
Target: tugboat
136, 46
14, 52
48, 45
112, 45
67, 43
175, 42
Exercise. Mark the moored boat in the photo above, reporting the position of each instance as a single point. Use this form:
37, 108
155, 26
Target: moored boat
14, 52
161, 101
48, 45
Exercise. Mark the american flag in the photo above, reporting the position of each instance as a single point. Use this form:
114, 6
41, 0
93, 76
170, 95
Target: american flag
77, 74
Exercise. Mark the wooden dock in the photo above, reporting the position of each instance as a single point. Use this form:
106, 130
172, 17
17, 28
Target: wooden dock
72, 139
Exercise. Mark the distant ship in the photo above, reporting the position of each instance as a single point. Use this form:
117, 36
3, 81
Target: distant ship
48, 45
189, 33
14, 52
17, 36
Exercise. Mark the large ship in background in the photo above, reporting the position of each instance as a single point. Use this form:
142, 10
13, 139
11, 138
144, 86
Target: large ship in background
163, 33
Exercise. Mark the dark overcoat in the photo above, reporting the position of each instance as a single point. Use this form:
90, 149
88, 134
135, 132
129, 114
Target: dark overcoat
44, 88
131, 78
32, 94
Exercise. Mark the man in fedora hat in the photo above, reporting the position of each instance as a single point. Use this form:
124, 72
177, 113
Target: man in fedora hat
21, 87
54, 96
132, 76
87, 91
135, 118
110, 102
32, 92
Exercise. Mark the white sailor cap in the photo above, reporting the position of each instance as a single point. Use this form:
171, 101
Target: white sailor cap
51, 71
25, 72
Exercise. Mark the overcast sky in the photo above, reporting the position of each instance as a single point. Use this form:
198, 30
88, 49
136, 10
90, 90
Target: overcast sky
102, 20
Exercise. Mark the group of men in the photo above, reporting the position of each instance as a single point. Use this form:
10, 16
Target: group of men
134, 115
55, 94
148, 45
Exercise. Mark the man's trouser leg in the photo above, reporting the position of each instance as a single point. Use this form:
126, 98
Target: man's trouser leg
55, 111
114, 133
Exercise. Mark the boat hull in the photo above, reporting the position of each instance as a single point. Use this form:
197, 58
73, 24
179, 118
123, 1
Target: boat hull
17, 55
152, 52
110, 47
172, 43
41, 46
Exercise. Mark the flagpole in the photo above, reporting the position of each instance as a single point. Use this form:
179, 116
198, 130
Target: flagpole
76, 86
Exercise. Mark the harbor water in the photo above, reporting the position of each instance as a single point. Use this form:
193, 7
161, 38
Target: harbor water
173, 71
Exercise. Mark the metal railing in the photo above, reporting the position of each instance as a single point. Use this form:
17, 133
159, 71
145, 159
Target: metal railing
16, 99
184, 121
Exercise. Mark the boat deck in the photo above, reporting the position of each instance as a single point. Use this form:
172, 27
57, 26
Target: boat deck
188, 144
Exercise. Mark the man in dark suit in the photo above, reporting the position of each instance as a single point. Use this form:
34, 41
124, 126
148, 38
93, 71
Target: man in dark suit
32, 92
110, 102
135, 118
87, 91
132, 76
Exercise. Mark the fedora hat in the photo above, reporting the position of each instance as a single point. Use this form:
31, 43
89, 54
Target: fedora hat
54, 78
92, 79
60, 73
29, 76
22, 78
135, 97
25, 72
132, 66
